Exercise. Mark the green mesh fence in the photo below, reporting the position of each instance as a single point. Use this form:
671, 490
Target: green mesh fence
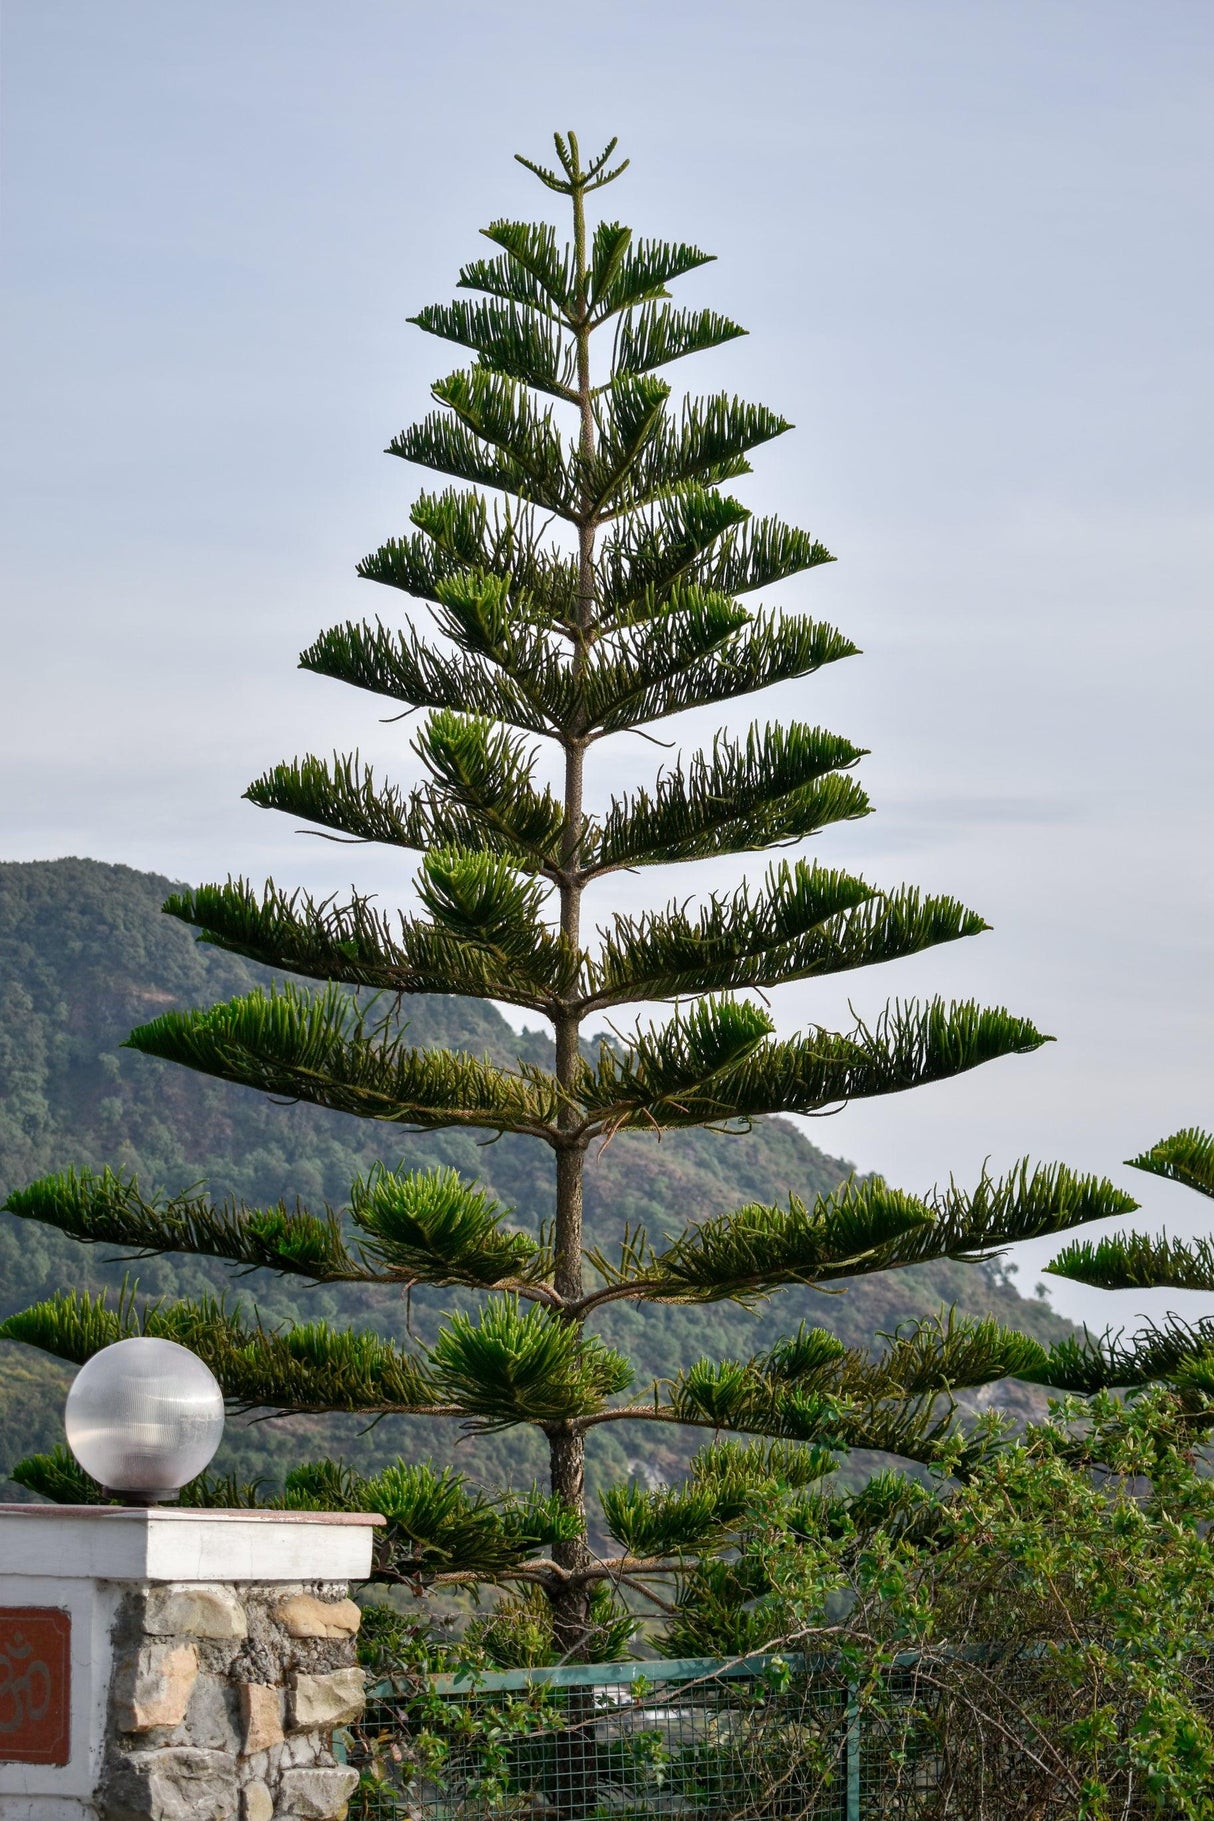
769, 1738
692, 1738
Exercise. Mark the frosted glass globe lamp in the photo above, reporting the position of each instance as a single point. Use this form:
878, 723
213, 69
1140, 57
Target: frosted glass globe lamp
144, 1417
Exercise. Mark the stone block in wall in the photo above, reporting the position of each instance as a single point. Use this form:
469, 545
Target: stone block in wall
327, 1700
213, 1717
315, 1795
256, 1802
260, 1717
196, 1612
302, 1615
154, 1689
175, 1783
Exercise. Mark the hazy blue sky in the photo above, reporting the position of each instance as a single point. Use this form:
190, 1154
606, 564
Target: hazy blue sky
972, 241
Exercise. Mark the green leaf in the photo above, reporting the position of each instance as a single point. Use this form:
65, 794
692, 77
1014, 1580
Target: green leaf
484, 773
1186, 1157
806, 922
530, 270
709, 444
322, 1049
429, 1226
661, 1079
642, 274
512, 340
655, 334
1135, 1261
777, 785
486, 940
108, 1208
297, 1368
747, 1254
1000, 1211
515, 1366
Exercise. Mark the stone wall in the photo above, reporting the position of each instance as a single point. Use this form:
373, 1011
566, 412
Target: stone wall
223, 1703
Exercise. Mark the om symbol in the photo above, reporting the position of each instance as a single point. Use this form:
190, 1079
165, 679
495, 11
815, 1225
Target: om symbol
35, 1686
25, 1685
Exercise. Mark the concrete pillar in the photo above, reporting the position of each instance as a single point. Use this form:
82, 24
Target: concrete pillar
175, 1665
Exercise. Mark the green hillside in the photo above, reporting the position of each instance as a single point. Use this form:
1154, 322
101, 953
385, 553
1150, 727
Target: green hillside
85, 954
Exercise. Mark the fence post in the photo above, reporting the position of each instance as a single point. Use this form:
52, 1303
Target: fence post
852, 1759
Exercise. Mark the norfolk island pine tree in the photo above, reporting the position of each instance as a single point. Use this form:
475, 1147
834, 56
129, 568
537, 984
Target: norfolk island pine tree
585, 585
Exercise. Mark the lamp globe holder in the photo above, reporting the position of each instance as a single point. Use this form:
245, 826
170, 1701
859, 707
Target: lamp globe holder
144, 1417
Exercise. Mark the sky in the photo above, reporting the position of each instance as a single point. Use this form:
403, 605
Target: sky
972, 244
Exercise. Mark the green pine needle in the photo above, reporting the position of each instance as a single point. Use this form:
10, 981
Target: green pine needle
304, 1367
529, 271
805, 922
654, 335
343, 794
1103, 1363
524, 1366
707, 445
641, 272
756, 1249
429, 1226
1186, 1157
321, 1048
109, 1208
405, 668
484, 773
781, 783
715, 1064
485, 935
1001, 1211
750, 1468
1135, 1261
950, 1352
515, 341
673, 1521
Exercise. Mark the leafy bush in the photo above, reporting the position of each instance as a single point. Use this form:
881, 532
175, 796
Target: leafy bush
1032, 1640
1035, 1640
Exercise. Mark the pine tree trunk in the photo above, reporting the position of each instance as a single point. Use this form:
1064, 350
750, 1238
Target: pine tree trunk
567, 1442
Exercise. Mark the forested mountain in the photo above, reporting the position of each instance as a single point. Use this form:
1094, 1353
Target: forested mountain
85, 955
